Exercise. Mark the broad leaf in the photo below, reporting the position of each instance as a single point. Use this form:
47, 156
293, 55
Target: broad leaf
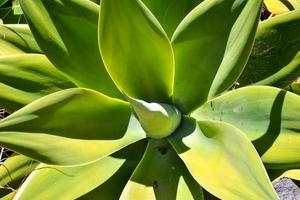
161, 175
50, 182
275, 59
282, 6
113, 187
222, 160
27, 77
81, 180
211, 47
292, 174
14, 170
170, 13
69, 40
136, 50
18, 37
269, 116
70, 127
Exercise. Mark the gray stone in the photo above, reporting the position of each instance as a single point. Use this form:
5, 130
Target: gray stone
287, 189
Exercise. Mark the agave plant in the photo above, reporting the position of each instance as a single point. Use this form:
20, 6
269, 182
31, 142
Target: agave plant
131, 100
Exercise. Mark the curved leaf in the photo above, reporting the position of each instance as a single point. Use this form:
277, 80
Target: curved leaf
222, 159
170, 13
70, 127
113, 187
292, 174
27, 77
69, 40
158, 120
161, 175
19, 36
211, 47
49, 182
282, 6
136, 50
14, 169
275, 59
268, 116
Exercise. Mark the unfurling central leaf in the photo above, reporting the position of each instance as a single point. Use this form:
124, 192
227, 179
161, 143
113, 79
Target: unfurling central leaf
159, 120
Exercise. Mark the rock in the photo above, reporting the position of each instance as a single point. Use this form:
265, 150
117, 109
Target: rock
287, 189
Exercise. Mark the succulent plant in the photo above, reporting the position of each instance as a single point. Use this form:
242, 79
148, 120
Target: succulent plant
131, 100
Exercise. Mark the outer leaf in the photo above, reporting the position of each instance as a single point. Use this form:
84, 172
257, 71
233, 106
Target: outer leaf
170, 14
19, 37
211, 47
222, 160
135, 50
69, 40
161, 175
281, 6
50, 182
114, 186
79, 180
14, 169
275, 59
70, 127
268, 116
27, 77
293, 174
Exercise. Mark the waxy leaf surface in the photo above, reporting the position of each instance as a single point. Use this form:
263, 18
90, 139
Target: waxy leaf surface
211, 46
70, 127
222, 160
161, 175
275, 58
136, 51
69, 40
269, 116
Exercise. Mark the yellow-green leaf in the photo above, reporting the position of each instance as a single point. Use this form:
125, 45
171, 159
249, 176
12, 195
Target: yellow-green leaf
161, 175
70, 127
211, 46
69, 40
269, 116
136, 50
222, 160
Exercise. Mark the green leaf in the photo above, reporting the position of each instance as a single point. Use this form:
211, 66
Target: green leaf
211, 47
14, 169
222, 159
49, 182
27, 77
10, 196
292, 174
282, 6
18, 37
70, 127
136, 50
275, 59
158, 120
269, 116
113, 187
170, 14
2, 2
161, 175
69, 40
16, 7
